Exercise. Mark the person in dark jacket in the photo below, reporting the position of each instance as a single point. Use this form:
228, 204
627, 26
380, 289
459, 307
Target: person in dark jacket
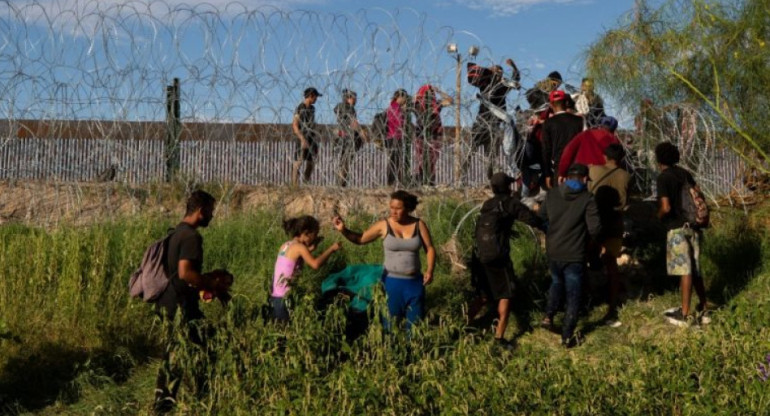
572, 218
495, 280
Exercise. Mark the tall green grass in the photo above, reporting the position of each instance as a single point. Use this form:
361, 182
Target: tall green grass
71, 342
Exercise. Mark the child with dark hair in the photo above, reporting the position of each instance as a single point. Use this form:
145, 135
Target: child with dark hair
292, 254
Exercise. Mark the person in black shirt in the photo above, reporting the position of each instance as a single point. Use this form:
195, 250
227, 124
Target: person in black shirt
305, 129
495, 280
184, 261
682, 240
349, 134
537, 96
558, 130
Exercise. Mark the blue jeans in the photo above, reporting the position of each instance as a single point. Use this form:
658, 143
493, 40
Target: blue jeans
406, 299
280, 312
566, 279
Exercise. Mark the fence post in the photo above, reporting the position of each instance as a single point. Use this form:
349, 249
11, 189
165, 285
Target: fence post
173, 130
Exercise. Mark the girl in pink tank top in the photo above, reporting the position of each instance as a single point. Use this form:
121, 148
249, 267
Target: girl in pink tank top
292, 254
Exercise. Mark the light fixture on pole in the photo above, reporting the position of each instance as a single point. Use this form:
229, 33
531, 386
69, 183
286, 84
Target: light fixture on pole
473, 51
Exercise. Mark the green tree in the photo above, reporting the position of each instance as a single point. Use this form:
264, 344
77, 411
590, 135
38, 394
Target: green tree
708, 54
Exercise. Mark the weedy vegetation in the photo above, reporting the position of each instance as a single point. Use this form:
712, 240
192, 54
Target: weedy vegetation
72, 342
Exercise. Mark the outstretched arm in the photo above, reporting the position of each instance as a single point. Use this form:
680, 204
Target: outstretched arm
377, 230
317, 262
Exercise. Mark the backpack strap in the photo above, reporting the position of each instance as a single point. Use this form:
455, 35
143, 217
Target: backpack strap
605, 176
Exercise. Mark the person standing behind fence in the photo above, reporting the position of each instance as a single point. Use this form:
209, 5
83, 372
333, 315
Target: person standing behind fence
305, 129
350, 135
430, 132
395, 138
403, 236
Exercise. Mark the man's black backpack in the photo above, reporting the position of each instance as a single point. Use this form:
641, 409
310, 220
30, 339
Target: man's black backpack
490, 233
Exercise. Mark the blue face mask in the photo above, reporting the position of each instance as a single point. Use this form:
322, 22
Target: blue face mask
575, 185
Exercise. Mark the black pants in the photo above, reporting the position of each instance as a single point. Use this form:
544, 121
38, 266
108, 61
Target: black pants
196, 332
395, 161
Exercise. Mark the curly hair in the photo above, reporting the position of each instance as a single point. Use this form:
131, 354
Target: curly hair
667, 153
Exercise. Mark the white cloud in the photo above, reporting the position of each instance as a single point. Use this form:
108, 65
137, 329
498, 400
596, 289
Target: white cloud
509, 7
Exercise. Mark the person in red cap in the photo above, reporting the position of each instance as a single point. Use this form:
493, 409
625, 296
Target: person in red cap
558, 131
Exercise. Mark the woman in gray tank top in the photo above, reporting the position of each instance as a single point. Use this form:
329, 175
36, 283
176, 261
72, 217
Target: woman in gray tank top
403, 236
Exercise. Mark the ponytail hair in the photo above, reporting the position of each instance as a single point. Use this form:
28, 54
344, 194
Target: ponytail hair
302, 224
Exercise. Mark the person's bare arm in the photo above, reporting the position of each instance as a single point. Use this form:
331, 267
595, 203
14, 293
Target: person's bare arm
188, 274
316, 262
379, 229
664, 207
430, 251
298, 131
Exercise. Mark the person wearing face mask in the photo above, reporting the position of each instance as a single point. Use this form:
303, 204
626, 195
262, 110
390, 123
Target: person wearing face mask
573, 218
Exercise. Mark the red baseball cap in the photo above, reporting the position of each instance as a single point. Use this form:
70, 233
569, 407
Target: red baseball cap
557, 95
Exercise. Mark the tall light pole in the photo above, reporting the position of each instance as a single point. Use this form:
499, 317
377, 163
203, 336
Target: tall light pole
453, 50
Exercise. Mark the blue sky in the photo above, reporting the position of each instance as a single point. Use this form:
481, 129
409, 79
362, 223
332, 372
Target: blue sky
112, 58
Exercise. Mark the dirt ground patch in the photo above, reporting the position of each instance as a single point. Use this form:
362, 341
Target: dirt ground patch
50, 203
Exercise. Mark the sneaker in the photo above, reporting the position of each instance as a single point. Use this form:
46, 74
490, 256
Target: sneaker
670, 311
675, 317
702, 314
611, 320
504, 344
704, 317
571, 342
547, 323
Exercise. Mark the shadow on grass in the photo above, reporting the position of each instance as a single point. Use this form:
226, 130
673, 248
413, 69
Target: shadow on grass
46, 372
731, 257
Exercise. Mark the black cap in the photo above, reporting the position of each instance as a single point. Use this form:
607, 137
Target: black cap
577, 169
312, 91
555, 75
501, 183
346, 93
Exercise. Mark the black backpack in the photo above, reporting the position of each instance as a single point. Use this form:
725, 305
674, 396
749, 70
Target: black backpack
380, 125
490, 233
